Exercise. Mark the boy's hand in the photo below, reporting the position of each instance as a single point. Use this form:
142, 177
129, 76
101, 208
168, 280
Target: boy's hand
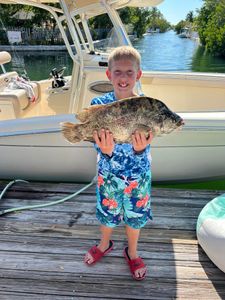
140, 142
104, 141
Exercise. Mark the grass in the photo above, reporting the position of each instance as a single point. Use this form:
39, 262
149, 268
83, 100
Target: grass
206, 185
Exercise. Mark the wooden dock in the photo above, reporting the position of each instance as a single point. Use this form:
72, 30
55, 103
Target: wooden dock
42, 250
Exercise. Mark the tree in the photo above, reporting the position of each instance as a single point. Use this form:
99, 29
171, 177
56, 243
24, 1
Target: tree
144, 18
211, 26
157, 21
38, 18
7, 12
141, 21
154, 16
100, 26
190, 17
182, 24
138, 17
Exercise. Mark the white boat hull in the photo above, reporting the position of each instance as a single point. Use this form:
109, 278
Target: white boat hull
41, 153
32, 151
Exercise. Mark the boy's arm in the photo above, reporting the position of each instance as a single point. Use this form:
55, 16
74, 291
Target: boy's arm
96, 101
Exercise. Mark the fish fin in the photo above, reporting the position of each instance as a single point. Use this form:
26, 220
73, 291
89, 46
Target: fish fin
87, 113
72, 132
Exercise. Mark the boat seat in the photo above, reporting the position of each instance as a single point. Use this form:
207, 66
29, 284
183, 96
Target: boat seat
5, 57
17, 94
12, 101
211, 230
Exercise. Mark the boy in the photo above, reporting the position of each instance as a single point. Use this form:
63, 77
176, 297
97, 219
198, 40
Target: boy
124, 177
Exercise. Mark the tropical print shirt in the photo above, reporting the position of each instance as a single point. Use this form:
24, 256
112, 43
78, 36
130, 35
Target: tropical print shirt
124, 163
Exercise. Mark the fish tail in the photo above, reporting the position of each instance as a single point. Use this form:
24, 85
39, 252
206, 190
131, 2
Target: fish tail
72, 132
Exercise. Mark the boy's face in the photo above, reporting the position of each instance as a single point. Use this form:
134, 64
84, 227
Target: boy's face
123, 74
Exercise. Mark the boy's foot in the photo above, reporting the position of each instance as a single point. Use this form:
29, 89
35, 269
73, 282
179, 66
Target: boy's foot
94, 254
137, 267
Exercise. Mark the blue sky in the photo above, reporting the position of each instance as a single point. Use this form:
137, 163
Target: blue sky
176, 10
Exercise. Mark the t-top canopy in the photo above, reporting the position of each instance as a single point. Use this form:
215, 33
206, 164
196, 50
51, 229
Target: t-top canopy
89, 7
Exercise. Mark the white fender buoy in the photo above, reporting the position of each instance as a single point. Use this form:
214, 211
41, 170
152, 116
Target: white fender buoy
211, 231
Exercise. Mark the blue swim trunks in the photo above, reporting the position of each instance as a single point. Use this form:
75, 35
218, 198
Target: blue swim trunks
124, 198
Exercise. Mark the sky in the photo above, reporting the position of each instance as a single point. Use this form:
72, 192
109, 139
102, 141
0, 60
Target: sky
176, 10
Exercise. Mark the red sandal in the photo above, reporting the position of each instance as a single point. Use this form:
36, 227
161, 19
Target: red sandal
135, 265
97, 254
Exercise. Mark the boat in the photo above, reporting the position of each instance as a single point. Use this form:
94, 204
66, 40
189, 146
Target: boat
151, 31
185, 33
31, 144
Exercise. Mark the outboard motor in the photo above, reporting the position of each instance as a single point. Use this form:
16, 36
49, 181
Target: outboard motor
58, 79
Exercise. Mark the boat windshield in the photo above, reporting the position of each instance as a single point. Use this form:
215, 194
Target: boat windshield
105, 37
111, 41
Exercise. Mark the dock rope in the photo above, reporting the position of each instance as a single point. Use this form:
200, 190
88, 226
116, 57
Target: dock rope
6, 211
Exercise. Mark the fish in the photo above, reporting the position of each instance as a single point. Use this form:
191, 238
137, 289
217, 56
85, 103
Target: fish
122, 118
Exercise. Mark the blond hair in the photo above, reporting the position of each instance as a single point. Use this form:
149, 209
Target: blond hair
124, 52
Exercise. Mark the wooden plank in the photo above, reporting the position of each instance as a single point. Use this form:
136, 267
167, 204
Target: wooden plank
69, 188
92, 233
90, 285
71, 220
154, 250
172, 195
163, 264
9, 295
84, 210
125, 290
182, 217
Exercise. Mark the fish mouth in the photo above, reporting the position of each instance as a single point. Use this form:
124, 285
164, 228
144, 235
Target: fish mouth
180, 123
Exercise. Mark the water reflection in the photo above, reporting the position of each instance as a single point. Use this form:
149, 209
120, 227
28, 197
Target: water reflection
204, 62
38, 64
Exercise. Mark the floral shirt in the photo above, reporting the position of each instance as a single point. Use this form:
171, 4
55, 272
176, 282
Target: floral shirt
124, 163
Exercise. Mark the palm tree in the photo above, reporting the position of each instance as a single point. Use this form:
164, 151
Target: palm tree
190, 17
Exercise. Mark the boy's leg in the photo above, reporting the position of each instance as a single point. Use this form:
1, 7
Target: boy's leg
137, 211
108, 212
133, 236
105, 237
104, 244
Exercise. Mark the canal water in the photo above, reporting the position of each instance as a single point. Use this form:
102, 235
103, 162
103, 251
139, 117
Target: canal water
160, 52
